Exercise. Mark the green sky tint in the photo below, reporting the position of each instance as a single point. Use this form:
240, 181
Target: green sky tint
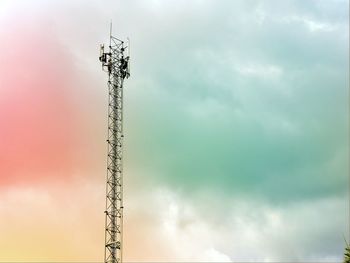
245, 97
236, 127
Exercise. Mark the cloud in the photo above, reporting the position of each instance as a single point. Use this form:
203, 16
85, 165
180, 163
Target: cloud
243, 107
259, 70
226, 230
237, 127
163, 224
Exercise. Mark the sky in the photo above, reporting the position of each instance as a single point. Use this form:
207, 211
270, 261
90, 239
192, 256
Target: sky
236, 130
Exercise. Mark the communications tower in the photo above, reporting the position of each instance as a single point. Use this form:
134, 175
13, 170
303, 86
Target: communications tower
116, 63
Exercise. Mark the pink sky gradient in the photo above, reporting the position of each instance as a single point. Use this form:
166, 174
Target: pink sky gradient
44, 127
48, 147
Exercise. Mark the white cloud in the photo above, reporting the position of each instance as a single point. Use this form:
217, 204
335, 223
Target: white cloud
243, 230
261, 71
185, 235
212, 255
312, 25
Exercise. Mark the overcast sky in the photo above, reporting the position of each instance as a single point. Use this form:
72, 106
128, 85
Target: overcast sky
236, 125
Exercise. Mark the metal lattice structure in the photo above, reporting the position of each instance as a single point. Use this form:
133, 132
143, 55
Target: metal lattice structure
115, 63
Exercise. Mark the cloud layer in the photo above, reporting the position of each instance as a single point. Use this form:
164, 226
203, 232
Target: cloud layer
240, 230
251, 101
236, 127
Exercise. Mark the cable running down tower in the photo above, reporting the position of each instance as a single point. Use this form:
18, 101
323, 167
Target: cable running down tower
116, 63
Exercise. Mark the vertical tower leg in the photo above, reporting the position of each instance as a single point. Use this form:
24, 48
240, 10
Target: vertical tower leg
116, 64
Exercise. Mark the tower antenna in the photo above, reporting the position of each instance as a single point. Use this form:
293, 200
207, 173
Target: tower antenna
115, 63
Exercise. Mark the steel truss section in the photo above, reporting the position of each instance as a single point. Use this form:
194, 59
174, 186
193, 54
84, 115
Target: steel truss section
115, 63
